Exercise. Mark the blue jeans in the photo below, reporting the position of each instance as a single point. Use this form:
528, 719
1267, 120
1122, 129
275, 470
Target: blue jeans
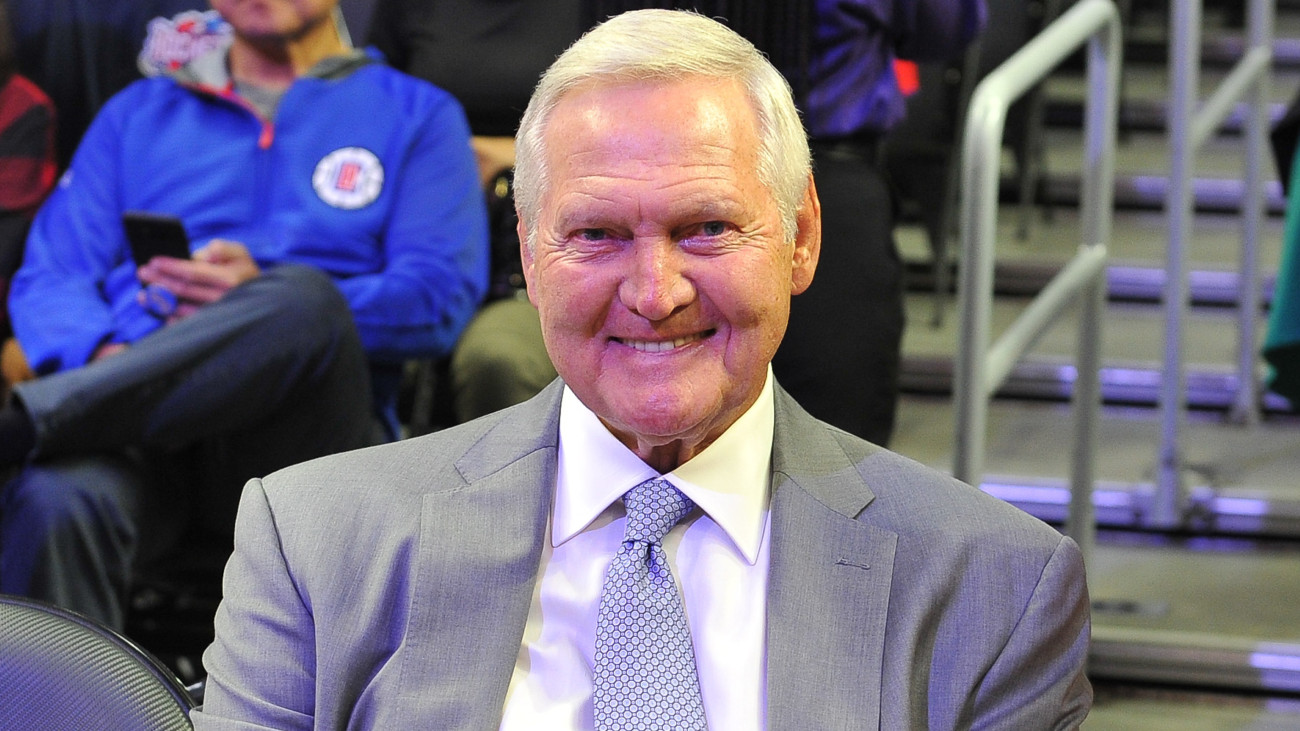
140, 448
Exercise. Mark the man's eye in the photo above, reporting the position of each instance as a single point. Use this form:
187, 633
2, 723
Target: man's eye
593, 234
713, 228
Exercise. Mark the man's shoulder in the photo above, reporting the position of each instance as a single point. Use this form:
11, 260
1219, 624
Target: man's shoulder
917, 502
410, 90
378, 495
448, 459
147, 91
926, 502
432, 457
945, 527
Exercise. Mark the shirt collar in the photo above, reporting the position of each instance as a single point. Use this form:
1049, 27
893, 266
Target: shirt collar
729, 480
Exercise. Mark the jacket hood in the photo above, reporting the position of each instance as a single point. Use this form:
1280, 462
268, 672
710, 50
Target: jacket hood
211, 71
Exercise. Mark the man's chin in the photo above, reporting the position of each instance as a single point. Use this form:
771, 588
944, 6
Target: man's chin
660, 421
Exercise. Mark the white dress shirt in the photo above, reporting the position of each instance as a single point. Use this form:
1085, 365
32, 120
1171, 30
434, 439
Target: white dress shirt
718, 555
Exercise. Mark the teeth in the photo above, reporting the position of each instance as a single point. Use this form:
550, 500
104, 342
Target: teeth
660, 346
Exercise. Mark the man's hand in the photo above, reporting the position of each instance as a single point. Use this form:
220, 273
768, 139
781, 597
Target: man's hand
214, 270
108, 349
13, 363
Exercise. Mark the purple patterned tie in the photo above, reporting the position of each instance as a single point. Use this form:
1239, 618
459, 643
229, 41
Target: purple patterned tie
645, 667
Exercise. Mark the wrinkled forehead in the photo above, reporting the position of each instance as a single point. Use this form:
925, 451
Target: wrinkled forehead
611, 88
698, 116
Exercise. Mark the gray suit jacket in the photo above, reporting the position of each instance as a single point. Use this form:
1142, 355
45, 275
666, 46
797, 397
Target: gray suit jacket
388, 588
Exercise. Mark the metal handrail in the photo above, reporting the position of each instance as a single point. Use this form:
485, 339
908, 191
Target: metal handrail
980, 368
1189, 129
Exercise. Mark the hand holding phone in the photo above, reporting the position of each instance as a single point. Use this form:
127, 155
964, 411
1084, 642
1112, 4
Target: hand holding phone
180, 286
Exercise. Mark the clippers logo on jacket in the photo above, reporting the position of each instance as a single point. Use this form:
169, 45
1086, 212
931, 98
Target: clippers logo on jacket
349, 178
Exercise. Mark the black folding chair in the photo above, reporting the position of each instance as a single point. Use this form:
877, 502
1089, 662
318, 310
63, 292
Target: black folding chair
61, 670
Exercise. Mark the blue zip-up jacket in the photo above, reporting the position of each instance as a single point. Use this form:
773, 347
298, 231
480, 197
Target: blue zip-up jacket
364, 172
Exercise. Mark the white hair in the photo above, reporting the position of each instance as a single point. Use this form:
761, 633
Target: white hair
668, 45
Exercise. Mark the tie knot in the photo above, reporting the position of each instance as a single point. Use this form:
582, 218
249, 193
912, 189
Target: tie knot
653, 508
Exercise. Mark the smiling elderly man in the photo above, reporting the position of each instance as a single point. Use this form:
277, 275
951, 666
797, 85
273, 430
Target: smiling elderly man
662, 538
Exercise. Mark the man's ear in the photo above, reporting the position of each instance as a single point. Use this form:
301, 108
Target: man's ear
807, 240
526, 256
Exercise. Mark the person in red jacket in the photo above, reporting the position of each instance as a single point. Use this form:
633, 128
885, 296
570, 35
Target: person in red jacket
27, 170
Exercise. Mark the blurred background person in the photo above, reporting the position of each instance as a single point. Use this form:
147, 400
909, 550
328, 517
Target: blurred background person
489, 56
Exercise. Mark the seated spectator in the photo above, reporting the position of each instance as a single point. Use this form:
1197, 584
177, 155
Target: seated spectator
338, 229
489, 56
27, 171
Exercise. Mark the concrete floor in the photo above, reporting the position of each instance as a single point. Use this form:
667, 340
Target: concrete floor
1119, 708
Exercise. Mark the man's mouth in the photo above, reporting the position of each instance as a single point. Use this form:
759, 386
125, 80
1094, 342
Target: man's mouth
661, 346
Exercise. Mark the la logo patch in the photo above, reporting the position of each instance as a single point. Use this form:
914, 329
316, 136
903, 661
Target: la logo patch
174, 42
348, 178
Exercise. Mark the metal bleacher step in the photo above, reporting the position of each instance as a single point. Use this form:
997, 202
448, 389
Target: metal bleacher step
1136, 384
1143, 150
1146, 38
1132, 350
1144, 97
1133, 707
1141, 181
1132, 281
1221, 613
1216, 605
1132, 355
1137, 248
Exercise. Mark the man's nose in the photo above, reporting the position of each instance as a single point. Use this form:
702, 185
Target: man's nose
656, 285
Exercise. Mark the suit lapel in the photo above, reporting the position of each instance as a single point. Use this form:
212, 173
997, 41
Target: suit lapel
479, 549
829, 582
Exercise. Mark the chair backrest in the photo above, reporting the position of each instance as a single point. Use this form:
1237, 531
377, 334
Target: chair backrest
61, 670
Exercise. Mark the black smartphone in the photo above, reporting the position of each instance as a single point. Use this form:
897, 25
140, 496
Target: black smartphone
154, 234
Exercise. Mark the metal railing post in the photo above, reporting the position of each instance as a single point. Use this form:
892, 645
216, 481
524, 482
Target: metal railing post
1097, 210
1259, 25
981, 369
1184, 79
1189, 129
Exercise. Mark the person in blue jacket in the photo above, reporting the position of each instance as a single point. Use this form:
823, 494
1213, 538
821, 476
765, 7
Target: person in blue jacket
337, 230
